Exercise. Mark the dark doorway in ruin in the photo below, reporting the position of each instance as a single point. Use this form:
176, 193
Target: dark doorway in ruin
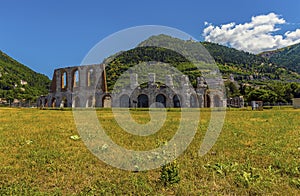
207, 101
143, 101
64, 102
124, 101
176, 101
106, 101
160, 98
46, 103
53, 102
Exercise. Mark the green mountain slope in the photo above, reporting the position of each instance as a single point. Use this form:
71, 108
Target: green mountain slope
20, 82
243, 65
148, 51
288, 57
257, 77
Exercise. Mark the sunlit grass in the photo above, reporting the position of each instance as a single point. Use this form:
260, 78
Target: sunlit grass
258, 152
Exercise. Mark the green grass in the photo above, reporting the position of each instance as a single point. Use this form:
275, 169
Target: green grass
258, 152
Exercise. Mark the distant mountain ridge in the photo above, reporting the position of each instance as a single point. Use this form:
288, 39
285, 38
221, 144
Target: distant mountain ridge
253, 76
243, 65
18, 81
288, 57
283, 65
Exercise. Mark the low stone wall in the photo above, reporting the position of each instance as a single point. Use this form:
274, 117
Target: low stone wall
296, 102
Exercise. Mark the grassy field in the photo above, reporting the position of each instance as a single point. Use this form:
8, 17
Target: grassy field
257, 153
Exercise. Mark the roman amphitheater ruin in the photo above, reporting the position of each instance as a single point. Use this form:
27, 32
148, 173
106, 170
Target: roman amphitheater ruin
86, 86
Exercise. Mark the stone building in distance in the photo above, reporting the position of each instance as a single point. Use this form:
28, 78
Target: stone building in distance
85, 86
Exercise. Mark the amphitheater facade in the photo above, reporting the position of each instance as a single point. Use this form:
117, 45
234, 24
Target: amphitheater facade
86, 86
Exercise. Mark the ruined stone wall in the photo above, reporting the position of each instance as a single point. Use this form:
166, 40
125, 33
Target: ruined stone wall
76, 87
85, 86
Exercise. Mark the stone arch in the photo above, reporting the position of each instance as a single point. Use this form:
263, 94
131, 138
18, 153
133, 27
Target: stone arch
176, 101
106, 101
64, 80
64, 102
161, 98
46, 103
124, 101
75, 78
90, 102
143, 101
53, 102
194, 103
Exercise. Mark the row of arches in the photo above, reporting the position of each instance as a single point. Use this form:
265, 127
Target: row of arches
89, 76
91, 101
142, 101
53, 102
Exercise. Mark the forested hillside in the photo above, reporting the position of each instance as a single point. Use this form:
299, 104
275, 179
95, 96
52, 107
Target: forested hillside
270, 77
288, 57
245, 65
20, 82
256, 78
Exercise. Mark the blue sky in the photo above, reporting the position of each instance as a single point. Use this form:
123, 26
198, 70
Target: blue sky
45, 35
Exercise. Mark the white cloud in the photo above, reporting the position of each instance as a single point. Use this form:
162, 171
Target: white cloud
256, 36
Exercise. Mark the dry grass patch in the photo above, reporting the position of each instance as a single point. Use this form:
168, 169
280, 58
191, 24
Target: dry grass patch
256, 153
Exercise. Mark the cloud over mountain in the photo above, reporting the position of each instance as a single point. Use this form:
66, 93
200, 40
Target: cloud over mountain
255, 36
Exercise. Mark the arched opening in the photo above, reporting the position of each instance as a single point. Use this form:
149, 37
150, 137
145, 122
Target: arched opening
46, 103
143, 101
193, 101
124, 101
90, 102
64, 102
106, 101
207, 101
160, 98
53, 102
176, 101
75, 78
90, 77
217, 101
64, 80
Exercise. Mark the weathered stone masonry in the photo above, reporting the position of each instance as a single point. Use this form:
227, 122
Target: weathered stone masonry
85, 86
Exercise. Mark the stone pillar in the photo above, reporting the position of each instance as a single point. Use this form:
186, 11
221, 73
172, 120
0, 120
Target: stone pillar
83, 77
201, 100
58, 80
69, 80
185, 91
